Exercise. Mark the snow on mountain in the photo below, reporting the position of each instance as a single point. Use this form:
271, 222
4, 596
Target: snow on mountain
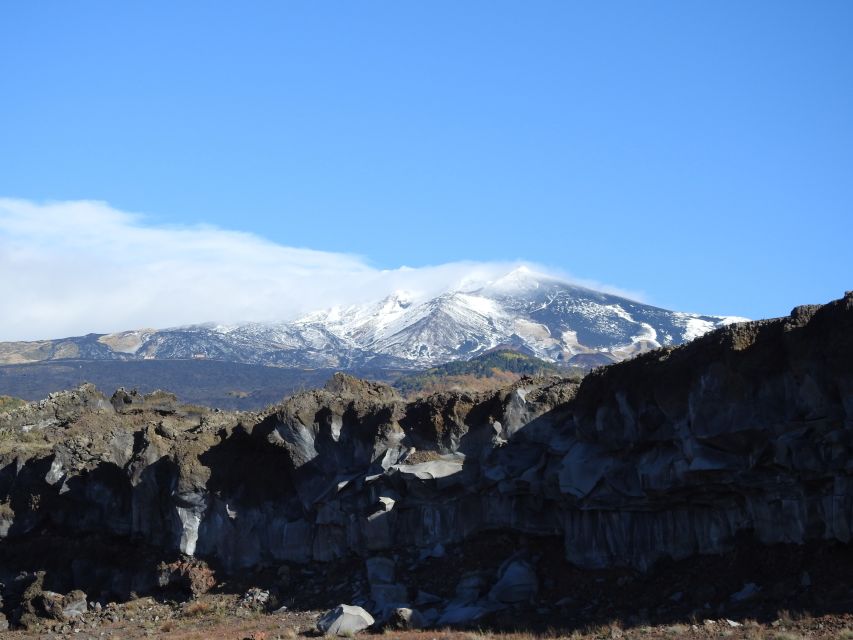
545, 316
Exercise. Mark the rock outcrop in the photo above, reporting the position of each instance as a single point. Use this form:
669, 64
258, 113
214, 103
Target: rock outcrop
676, 452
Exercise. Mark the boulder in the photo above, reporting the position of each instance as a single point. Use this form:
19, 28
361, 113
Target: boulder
255, 598
192, 577
74, 604
344, 621
516, 583
469, 588
404, 618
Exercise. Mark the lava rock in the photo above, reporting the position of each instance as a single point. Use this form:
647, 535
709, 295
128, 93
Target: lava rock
344, 620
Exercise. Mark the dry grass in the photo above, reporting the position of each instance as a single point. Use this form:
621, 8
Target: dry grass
785, 635
22, 441
8, 403
197, 609
422, 456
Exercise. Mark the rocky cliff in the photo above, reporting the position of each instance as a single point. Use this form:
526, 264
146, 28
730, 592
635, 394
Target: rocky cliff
747, 430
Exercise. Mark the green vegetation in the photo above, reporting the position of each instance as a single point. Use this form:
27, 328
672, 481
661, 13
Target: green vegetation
488, 371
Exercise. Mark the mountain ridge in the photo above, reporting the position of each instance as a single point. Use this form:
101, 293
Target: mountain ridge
554, 320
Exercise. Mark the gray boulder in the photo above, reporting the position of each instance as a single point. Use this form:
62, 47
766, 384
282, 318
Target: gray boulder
344, 620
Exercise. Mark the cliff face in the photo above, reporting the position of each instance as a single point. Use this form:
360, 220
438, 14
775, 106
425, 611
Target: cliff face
748, 429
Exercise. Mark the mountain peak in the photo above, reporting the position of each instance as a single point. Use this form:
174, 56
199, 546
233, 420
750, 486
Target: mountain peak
546, 316
522, 278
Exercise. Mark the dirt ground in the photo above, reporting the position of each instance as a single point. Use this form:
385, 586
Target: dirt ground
218, 617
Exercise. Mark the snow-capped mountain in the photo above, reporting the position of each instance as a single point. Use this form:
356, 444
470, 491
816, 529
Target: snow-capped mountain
541, 315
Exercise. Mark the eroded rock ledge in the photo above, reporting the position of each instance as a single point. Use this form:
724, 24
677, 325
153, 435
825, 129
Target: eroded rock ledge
748, 429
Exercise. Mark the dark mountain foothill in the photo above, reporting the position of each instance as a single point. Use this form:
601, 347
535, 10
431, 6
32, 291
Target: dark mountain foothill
706, 482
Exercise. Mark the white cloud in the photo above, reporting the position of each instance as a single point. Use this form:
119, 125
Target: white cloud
71, 268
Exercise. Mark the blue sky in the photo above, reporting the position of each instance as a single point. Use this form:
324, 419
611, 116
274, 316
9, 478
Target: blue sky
698, 152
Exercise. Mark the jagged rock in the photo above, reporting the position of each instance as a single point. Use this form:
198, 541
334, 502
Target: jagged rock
74, 604
425, 598
344, 621
57, 409
255, 598
385, 595
193, 577
436, 552
462, 615
404, 618
380, 570
470, 587
37, 603
517, 582
132, 401
671, 454
749, 590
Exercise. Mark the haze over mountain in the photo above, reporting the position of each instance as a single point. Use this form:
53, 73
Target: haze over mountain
532, 312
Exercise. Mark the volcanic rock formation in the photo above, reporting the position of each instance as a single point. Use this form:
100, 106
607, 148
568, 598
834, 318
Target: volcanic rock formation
746, 430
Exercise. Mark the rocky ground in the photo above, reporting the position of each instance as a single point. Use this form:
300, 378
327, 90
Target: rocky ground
224, 617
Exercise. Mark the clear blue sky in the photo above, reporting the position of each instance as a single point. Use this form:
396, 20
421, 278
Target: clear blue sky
701, 152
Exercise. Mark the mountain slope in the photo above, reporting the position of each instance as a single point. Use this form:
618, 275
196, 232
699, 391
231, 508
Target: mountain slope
486, 372
546, 317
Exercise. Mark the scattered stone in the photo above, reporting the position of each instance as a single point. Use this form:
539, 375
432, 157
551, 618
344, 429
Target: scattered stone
255, 598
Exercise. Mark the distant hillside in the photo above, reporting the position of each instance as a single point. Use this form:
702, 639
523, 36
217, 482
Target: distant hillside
491, 370
226, 385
